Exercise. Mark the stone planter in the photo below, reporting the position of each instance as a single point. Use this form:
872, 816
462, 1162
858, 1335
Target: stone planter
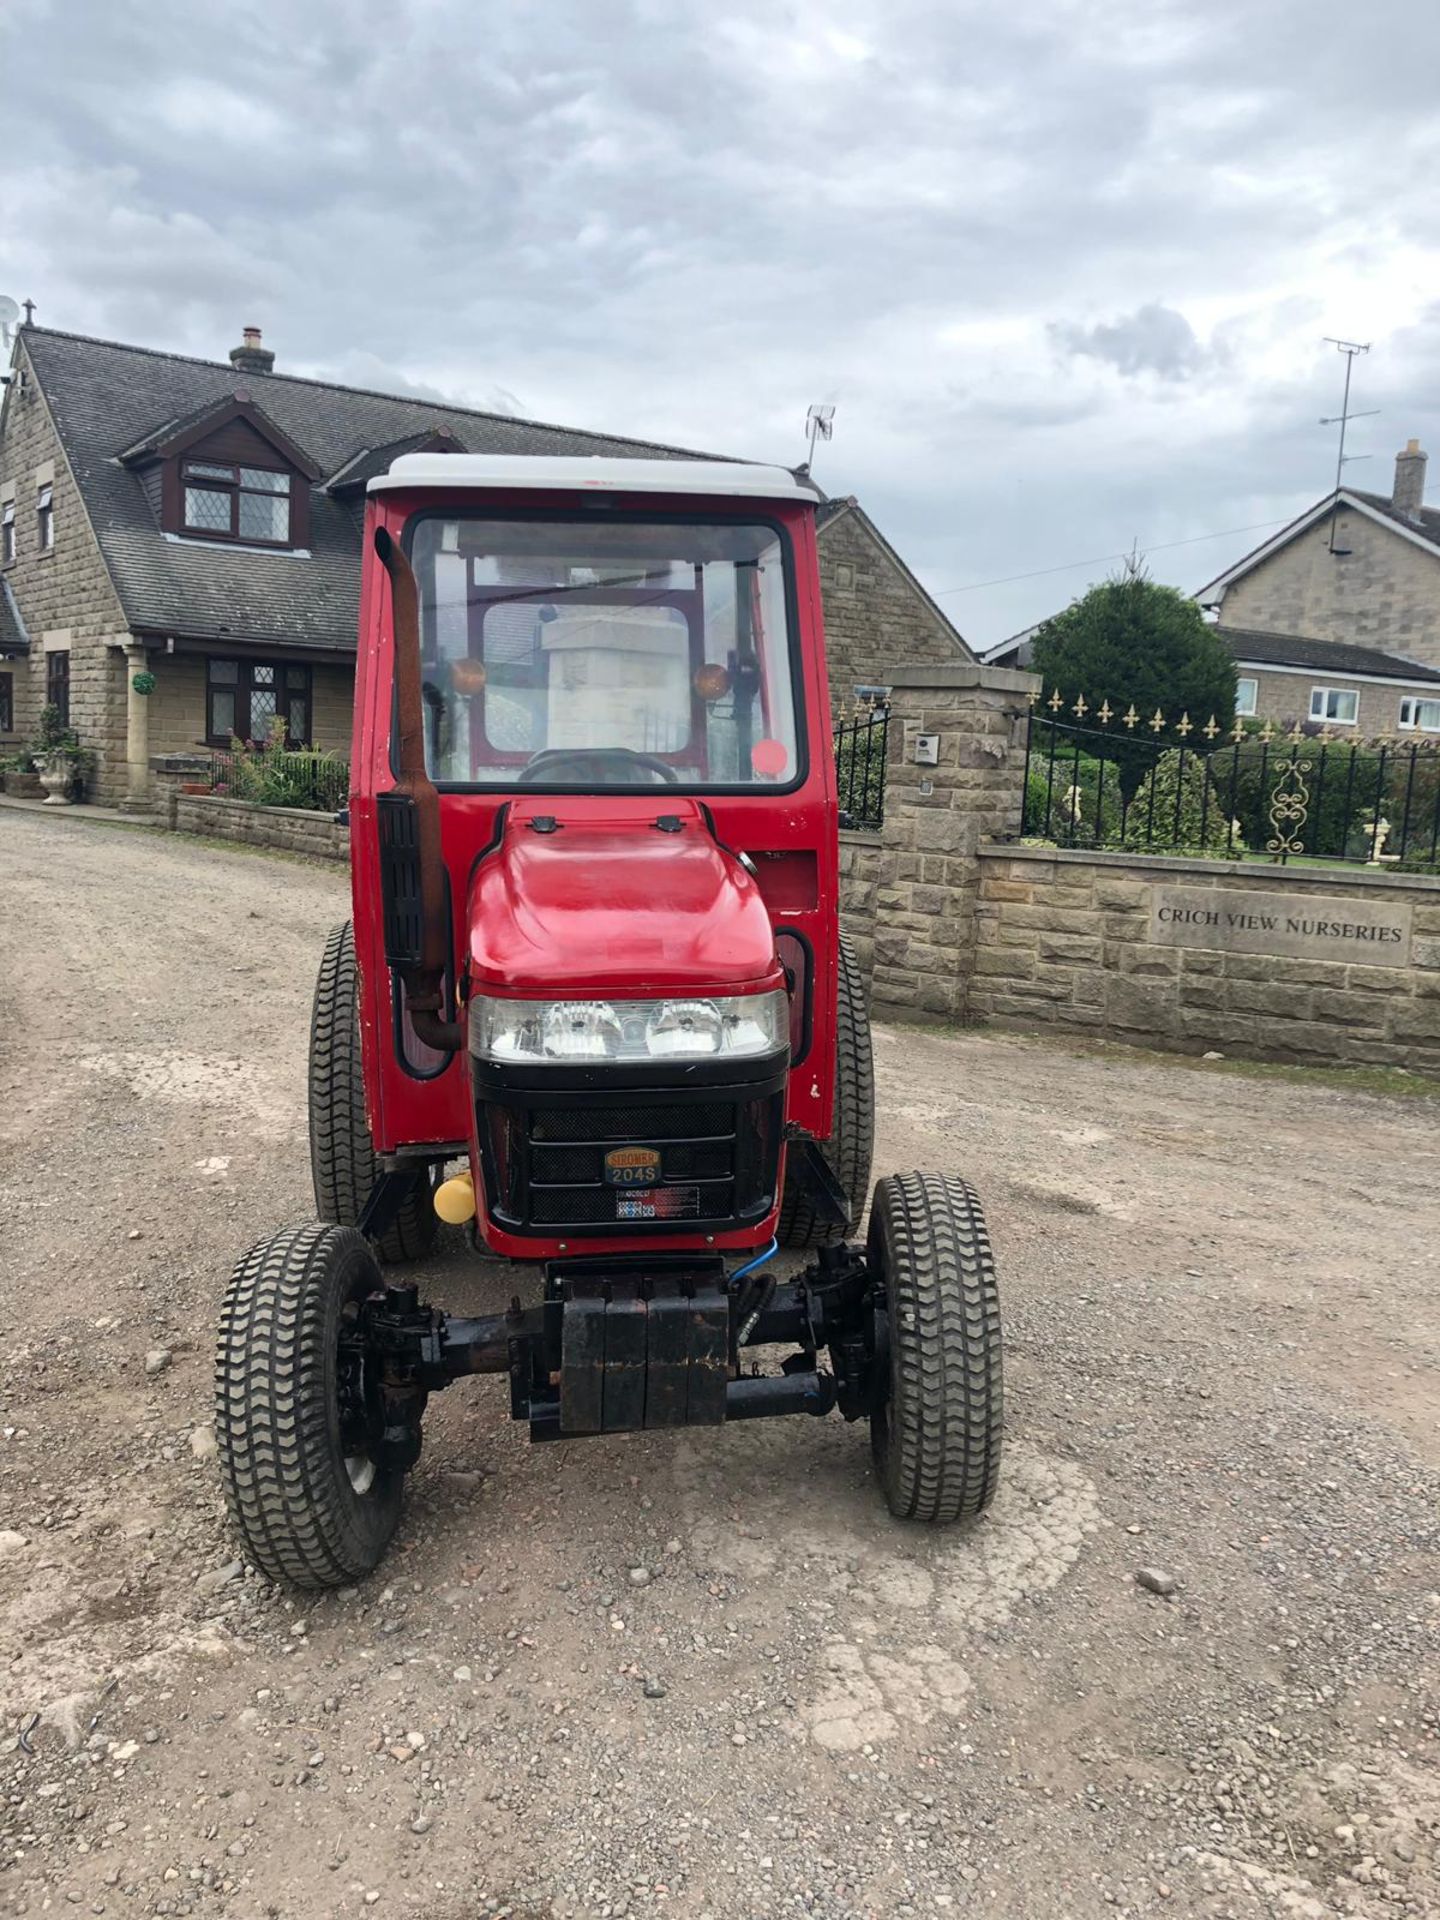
23, 786
57, 776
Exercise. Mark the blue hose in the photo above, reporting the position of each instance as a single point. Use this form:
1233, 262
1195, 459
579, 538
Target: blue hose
758, 1261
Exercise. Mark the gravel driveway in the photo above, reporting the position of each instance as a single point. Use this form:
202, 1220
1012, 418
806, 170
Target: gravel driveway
661, 1676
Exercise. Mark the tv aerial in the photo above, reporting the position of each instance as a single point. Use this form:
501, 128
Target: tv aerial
1350, 349
820, 425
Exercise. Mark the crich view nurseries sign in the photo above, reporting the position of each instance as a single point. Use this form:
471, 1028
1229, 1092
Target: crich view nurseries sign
1303, 926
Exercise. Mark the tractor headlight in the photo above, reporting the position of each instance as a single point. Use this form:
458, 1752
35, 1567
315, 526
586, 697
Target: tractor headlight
542, 1032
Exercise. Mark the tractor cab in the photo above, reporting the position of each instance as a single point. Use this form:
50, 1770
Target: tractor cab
594, 1008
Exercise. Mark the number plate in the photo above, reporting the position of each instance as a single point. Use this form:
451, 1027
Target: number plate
632, 1167
660, 1203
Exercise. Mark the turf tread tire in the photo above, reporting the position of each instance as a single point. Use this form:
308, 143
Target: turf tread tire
343, 1162
937, 1439
277, 1410
852, 1141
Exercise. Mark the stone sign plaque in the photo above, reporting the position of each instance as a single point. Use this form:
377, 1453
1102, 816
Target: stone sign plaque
1303, 926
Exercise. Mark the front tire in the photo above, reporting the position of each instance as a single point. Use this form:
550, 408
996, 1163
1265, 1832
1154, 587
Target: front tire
296, 1421
852, 1138
936, 1428
343, 1162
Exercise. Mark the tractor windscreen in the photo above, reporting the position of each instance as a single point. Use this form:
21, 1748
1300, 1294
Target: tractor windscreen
605, 652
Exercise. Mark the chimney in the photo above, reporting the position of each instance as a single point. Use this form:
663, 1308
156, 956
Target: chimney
1409, 494
251, 357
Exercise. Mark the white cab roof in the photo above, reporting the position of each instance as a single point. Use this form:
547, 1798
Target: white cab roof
600, 473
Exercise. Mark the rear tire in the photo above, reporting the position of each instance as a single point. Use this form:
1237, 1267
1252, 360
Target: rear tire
343, 1163
304, 1493
852, 1139
936, 1429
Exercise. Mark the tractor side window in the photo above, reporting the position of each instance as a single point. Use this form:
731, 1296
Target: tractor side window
606, 652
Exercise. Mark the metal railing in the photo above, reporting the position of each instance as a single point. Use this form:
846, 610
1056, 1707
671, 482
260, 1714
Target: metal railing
1100, 779
282, 777
860, 745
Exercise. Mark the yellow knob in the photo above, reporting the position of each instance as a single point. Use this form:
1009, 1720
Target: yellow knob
455, 1200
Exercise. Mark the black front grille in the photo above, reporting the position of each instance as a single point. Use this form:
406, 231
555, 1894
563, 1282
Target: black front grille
543, 1154
649, 1123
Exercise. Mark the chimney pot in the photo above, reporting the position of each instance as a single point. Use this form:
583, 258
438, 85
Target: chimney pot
1408, 495
250, 356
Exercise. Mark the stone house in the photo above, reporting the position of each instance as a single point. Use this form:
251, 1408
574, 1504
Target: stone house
198, 523
1361, 572
1356, 566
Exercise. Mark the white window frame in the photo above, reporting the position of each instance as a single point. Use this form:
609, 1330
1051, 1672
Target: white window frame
1410, 706
7, 533
1243, 680
1320, 698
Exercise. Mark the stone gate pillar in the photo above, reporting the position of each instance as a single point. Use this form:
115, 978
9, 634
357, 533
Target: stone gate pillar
935, 820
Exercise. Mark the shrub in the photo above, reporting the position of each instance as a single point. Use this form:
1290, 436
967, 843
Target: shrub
1075, 800
860, 773
1177, 805
278, 777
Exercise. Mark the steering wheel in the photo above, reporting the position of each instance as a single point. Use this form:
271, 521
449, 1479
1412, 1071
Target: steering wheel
595, 766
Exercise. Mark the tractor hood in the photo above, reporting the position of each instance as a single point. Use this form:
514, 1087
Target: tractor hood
619, 897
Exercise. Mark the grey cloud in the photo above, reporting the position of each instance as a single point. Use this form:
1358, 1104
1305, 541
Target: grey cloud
691, 222
1152, 339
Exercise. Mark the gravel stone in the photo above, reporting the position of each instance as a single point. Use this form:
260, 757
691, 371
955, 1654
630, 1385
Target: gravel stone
1156, 1580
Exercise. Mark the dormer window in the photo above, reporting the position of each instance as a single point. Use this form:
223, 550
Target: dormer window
227, 472
247, 504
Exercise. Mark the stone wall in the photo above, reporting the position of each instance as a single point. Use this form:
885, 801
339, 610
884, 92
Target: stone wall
860, 858
878, 619
1383, 592
1070, 940
65, 595
952, 916
286, 828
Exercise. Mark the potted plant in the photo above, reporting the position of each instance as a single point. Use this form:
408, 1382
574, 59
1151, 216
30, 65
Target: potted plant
19, 775
64, 764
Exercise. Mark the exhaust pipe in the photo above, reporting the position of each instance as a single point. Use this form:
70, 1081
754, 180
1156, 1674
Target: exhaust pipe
424, 984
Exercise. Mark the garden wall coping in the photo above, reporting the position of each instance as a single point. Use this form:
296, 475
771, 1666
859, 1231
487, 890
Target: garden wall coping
1268, 873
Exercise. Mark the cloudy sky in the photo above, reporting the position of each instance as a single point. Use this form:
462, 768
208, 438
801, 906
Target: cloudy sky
1063, 266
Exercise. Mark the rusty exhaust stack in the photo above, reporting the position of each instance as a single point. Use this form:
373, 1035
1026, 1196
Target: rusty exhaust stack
424, 984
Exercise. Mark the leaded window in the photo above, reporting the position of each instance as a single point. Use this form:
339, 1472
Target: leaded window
57, 683
242, 698
248, 504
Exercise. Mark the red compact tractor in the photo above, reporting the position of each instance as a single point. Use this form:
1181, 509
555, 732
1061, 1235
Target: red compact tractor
596, 958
